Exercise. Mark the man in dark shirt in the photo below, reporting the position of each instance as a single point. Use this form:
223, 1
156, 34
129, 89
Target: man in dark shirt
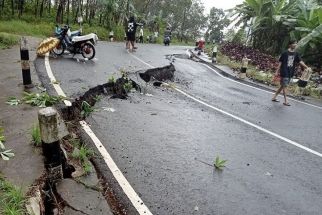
286, 69
130, 33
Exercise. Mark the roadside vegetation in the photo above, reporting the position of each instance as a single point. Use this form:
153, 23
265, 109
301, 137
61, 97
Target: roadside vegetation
5, 154
83, 154
35, 99
8, 40
11, 199
35, 135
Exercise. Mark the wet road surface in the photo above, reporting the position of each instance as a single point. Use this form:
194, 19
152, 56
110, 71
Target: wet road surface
165, 144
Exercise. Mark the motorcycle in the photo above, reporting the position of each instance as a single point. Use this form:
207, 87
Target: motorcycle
58, 31
167, 40
76, 44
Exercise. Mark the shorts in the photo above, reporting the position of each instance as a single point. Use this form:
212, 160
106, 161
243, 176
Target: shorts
243, 70
130, 36
285, 81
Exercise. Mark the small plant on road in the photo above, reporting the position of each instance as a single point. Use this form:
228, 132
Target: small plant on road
98, 98
87, 109
5, 154
13, 101
111, 79
219, 164
87, 167
41, 99
128, 86
11, 198
83, 154
35, 134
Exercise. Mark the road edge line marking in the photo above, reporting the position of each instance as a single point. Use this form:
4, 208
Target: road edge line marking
312, 105
149, 65
53, 80
127, 188
243, 120
251, 124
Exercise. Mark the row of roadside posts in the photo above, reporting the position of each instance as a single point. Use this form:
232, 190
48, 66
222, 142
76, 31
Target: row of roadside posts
48, 123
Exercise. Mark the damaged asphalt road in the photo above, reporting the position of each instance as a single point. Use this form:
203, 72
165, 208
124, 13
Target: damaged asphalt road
165, 144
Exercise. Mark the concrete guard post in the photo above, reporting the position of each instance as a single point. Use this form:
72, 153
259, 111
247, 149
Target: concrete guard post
25, 65
47, 118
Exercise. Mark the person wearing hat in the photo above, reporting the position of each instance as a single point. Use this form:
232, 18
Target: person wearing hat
286, 69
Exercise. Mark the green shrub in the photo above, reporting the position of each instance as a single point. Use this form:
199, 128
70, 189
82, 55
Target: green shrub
8, 40
11, 198
24, 28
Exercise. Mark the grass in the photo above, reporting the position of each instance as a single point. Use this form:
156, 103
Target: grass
87, 109
12, 199
35, 134
87, 167
128, 86
98, 98
41, 29
111, 80
83, 155
46, 29
8, 40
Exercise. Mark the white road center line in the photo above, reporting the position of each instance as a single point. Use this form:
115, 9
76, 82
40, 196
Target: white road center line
243, 120
312, 105
127, 188
53, 80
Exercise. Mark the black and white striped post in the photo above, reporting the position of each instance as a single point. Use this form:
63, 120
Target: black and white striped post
47, 118
25, 65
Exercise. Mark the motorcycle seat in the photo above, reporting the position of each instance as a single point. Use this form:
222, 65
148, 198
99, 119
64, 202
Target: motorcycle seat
90, 36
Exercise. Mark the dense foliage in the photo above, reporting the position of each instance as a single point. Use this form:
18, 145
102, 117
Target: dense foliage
186, 17
270, 25
257, 58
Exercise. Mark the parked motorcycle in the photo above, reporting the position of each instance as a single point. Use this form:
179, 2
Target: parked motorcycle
76, 44
58, 31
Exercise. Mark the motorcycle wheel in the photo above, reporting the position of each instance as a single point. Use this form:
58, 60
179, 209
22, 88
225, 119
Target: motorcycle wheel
88, 51
59, 49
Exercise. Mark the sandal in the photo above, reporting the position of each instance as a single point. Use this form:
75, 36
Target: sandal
275, 100
286, 104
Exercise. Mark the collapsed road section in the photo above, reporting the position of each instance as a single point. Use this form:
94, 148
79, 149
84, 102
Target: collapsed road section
119, 203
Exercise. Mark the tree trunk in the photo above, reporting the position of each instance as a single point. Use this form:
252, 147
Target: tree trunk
21, 5
67, 21
41, 8
36, 8
59, 15
12, 8
182, 26
49, 6
86, 10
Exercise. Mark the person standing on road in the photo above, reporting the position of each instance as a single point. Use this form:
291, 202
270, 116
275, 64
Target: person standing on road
214, 54
286, 69
141, 35
130, 33
244, 67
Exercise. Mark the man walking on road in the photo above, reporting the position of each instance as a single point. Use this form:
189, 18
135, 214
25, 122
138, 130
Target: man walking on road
286, 68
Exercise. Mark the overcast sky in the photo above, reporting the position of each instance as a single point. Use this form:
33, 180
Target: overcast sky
224, 4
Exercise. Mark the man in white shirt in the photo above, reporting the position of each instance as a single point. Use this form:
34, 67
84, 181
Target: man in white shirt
141, 35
